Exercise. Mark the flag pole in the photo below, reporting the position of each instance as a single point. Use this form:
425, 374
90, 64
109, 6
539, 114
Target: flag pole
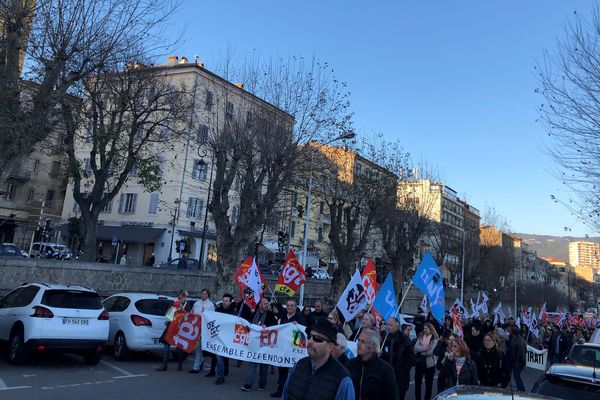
360, 326
396, 313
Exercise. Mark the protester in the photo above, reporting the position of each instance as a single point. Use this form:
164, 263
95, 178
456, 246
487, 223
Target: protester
457, 368
334, 318
306, 312
475, 340
339, 351
180, 304
222, 363
516, 354
448, 325
557, 346
334, 382
419, 321
492, 368
442, 351
200, 306
265, 318
367, 322
398, 351
318, 312
425, 360
372, 377
431, 319
292, 315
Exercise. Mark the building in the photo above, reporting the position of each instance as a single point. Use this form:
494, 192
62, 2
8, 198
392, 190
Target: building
584, 255
156, 222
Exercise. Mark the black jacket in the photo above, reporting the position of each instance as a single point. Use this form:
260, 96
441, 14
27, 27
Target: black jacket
297, 317
492, 368
517, 350
448, 378
230, 310
398, 352
269, 318
373, 379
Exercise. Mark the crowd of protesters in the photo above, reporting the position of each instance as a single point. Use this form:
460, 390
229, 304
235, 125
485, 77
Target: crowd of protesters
487, 354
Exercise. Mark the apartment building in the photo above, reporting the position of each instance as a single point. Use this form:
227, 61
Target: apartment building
155, 222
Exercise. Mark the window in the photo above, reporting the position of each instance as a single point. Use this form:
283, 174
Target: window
87, 166
249, 119
36, 165
208, 102
194, 209
235, 215
320, 234
30, 196
294, 199
153, 207
158, 307
11, 190
50, 194
72, 299
203, 134
321, 207
55, 169
293, 228
19, 297
200, 170
229, 111
108, 207
127, 203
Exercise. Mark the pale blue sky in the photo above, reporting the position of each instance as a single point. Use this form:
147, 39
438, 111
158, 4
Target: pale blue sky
453, 80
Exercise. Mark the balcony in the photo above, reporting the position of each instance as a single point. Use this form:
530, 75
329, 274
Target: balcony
16, 174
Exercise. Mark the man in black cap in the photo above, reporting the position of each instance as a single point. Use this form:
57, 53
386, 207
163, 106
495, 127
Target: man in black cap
320, 375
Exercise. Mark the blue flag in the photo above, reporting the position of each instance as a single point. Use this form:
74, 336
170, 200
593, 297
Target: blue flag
385, 302
429, 279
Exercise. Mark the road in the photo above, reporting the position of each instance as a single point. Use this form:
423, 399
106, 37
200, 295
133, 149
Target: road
66, 377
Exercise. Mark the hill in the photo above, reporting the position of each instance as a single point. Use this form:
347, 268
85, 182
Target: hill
553, 246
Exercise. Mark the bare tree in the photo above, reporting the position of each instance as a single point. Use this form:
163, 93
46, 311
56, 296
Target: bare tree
356, 184
257, 159
569, 80
63, 43
127, 118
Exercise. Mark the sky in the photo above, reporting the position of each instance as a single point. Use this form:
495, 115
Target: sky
453, 81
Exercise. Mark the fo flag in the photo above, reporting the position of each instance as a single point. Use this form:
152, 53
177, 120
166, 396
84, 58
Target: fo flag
250, 281
354, 298
429, 279
385, 302
369, 278
292, 276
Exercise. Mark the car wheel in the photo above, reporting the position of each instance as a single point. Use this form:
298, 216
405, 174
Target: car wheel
120, 350
92, 358
16, 347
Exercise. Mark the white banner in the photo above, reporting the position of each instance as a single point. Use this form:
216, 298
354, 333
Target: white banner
537, 358
234, 337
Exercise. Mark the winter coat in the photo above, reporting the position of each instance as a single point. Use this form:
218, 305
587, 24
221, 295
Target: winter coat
373, 379
492, 368
448, 378
430, 358
399, 353
518, 352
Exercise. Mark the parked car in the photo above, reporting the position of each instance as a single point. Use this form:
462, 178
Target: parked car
486, 393
320, 273
43, 317
595, 338
50, 250
137, 321
568, 381
585, 354
190, 263
11, 250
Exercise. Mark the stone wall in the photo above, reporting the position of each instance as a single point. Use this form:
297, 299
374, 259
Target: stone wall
109, 278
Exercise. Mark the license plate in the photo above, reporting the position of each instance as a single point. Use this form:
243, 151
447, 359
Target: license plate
75, 321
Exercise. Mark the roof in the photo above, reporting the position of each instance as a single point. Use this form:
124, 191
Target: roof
59, 286
552, 260
138, 295
482, 393
579, 373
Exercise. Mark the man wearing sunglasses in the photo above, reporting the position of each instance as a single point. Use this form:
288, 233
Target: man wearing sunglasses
319, 376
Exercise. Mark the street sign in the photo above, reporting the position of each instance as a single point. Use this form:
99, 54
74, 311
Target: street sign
115, 240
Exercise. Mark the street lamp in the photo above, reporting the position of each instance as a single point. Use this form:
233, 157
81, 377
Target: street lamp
174, 218
203, 153
462, 272
344, 136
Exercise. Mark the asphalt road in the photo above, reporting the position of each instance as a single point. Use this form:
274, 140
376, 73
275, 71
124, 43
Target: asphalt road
67, 377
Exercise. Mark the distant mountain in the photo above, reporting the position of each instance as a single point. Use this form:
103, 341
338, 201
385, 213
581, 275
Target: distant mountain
553, 246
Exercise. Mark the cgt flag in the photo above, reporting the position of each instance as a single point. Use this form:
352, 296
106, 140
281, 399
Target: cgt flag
369, 278
429, 279
250, 281
354, 298
292, 276
385, 302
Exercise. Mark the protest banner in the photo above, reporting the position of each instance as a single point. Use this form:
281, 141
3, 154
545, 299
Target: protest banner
536, 359
234, 337
184, 331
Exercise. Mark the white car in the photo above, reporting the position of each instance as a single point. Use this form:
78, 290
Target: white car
137, 320
43, 317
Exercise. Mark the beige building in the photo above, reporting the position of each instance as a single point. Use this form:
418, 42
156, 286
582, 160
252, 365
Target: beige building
154, 222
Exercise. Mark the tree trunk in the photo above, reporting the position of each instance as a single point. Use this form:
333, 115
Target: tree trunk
89, 221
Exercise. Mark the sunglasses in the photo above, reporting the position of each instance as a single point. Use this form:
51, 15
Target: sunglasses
317, 339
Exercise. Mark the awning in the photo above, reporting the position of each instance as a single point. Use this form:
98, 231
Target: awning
131, 234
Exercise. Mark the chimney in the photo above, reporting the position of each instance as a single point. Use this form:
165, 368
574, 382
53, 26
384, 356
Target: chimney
240, 85
172, 60
183, 60
198, 62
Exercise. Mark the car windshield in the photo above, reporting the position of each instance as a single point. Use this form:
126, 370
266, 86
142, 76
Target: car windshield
72, 299
156, 307
563, 389
8, 250
586, 355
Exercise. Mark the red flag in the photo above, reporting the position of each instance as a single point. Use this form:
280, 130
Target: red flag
457, 328
369, 278
291, 277
184, 331
241, 278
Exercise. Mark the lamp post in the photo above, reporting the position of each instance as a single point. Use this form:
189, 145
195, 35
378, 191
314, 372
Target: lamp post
343, 136
203, 153
462, 272
174, 218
